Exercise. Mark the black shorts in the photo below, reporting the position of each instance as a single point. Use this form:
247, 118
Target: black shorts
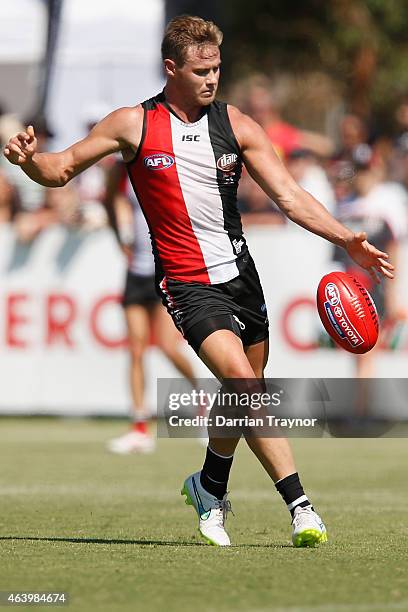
198, 309
140, 290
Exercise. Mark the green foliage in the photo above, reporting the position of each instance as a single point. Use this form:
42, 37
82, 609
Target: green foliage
326, 36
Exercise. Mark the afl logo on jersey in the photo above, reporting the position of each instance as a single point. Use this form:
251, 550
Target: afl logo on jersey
227, 162
158, 161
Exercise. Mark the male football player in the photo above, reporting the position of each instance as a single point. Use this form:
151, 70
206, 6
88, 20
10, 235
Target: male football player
184, 151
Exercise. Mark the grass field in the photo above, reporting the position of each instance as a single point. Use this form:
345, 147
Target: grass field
114, 533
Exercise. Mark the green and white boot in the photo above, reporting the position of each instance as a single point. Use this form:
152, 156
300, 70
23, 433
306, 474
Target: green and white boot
308, 528
212, 512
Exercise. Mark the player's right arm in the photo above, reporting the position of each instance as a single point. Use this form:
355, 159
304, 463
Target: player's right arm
119, 131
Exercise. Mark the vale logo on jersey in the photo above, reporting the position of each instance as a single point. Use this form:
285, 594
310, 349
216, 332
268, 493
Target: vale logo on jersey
158, 161
227, 162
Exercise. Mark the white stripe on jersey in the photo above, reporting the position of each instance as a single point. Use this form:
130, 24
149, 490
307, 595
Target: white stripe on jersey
198, 182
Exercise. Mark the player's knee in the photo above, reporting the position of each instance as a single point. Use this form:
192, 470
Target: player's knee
238, 370
136, 349
169, 350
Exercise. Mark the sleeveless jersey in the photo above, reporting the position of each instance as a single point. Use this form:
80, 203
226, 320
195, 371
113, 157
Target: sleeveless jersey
185, 176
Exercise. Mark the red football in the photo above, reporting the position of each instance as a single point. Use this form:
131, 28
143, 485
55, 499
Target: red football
348, 312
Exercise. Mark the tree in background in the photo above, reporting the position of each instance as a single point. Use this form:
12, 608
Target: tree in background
361, 46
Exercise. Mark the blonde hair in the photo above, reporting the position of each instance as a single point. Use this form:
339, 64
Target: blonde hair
185, 31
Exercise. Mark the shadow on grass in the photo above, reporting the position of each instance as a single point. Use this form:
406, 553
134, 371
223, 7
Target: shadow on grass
134, 542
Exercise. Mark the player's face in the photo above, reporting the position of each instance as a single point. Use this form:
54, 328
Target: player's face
198, 77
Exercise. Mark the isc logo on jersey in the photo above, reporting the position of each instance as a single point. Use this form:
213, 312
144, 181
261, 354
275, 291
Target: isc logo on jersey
158, 161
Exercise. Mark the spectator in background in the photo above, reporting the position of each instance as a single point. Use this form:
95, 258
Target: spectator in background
33, 197
399, 161
91, 184
77, 205
9, 202
352, 132
34, 215
399, 157
9, 197
255, 206
144, 312
28, 225
9, 125
401, 116
378, 208
308, 172
263, 104
64, 204
341, 174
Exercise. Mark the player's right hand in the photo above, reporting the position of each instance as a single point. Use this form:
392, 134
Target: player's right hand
369, 258
21, 147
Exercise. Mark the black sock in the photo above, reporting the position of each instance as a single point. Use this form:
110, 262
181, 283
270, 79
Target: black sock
215, 473
292, 492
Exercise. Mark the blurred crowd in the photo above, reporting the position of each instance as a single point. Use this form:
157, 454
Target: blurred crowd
32, 208
330, 169
362, 173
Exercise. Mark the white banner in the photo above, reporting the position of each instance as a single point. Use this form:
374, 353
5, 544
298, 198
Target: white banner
63, 337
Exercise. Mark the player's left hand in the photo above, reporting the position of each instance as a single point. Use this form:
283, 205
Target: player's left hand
369, 258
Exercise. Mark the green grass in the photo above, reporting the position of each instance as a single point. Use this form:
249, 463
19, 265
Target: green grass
115, 534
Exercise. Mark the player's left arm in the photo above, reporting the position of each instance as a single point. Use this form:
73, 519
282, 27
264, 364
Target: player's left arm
298, 205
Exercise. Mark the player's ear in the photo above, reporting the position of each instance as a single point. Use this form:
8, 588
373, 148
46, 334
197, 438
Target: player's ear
170, 67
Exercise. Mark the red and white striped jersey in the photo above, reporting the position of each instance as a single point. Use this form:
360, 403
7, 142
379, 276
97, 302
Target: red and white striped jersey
185, 176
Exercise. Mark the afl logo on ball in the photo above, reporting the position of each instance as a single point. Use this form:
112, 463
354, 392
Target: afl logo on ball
332, 294
227, 162
158, 161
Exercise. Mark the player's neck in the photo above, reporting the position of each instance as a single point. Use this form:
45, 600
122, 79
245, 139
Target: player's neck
187, 113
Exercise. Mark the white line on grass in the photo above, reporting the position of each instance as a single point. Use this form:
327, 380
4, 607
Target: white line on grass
165, 495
